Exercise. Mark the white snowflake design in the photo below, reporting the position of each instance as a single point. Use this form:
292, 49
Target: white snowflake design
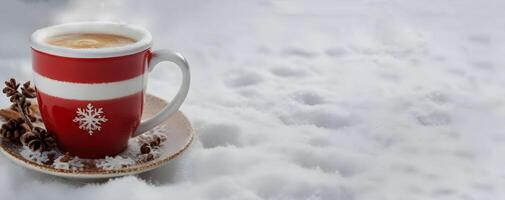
90, 119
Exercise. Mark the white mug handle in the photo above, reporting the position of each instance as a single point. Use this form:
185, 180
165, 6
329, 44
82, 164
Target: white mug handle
170, 109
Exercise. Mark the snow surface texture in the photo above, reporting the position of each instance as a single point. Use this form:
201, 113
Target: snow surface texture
364, 99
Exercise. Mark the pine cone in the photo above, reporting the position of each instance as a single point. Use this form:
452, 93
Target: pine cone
157, 140
16, 97
28, 91
38, 140
11, 88
145, 148
12, 130
148, 144
20, 100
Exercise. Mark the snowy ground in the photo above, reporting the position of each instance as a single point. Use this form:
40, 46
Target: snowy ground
383, 99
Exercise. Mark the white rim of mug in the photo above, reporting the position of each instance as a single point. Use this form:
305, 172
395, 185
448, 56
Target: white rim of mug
142, 36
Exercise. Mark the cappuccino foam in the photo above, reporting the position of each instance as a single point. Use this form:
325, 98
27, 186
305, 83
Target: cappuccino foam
89, 40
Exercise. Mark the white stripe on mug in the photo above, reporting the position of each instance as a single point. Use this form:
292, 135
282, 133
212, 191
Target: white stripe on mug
90, 91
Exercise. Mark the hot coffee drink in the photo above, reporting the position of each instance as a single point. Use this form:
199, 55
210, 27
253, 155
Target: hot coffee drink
89, 40
91, 86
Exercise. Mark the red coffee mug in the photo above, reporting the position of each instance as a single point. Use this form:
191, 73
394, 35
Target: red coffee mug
92, 99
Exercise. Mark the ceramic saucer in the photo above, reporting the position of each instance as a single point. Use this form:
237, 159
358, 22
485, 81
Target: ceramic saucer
176, 131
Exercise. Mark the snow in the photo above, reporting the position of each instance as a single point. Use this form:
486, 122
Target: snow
370, 99
38, 157
74, 163
115, 162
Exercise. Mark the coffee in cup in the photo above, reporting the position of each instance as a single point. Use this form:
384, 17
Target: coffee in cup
89, 40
